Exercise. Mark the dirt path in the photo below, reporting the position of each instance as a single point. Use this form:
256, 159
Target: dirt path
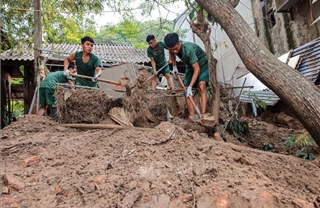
161, 167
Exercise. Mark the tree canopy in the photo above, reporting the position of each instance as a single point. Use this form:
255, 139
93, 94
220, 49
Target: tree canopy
130, 31
66, 21
63, 21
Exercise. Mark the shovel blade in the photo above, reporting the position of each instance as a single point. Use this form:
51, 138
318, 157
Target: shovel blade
121, 87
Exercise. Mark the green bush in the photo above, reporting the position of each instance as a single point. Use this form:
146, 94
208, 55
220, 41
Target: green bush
303, 143
236, 126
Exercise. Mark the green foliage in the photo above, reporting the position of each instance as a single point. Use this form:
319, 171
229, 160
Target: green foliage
289, 141
303, 143
268, 147
17, 108
236, 126
17, 81
132, 32
193, 13
261, 104
305, 155
209, 94
258, 103
63, 21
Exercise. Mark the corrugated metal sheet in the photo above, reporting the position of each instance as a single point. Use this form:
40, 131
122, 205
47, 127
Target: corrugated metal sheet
267, 96
309, 56
310, 59
285, 5
106, 52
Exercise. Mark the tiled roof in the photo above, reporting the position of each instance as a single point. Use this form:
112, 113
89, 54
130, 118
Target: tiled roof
106, 52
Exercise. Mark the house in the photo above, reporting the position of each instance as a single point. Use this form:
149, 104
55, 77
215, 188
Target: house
284, 25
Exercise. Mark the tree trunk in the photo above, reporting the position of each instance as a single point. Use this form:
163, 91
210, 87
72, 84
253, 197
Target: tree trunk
302, 96
202, 29
37, 44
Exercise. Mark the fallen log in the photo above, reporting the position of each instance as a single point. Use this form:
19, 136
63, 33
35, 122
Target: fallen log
103, 126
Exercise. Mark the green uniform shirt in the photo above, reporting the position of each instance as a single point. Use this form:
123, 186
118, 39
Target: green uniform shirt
158, 55
190, 54
53, 78
88, 69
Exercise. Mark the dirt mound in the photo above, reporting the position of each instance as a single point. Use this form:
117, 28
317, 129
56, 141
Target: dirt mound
84, 105
166, 166
170, 165
92, 106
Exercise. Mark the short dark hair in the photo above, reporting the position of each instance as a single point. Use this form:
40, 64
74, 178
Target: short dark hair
71, 66
150, 37
171, 39
87, 38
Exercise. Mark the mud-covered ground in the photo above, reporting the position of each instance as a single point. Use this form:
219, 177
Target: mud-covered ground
156, 164
44, 164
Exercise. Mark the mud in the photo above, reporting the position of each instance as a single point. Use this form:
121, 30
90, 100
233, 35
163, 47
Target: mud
164, 166
161, 164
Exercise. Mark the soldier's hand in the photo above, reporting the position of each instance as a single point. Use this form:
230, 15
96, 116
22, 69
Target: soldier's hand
66, 72
95, 78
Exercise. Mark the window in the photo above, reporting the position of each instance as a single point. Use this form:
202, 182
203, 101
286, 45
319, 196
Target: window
271, 19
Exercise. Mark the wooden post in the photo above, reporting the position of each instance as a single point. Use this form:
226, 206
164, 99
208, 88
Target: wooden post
37, 42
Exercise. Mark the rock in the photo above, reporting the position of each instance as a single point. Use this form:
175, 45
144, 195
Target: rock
13, 182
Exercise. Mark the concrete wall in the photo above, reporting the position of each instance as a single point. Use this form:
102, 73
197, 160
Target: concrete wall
289, 30
116, 73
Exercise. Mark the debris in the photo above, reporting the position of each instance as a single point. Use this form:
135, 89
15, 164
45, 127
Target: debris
13, 182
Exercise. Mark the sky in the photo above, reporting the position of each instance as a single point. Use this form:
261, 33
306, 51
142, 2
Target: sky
170, 13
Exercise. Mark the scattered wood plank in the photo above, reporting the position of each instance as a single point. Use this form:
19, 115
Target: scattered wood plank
103, 126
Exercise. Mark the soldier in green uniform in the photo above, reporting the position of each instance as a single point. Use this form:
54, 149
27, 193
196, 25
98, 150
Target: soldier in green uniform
197, 73
87, 63
156, 54
46, 89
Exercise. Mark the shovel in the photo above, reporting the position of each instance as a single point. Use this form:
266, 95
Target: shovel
155, 74
189, 97
122, 83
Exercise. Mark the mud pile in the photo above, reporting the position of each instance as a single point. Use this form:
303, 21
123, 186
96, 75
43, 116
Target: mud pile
164, 167
84, 105
93, 105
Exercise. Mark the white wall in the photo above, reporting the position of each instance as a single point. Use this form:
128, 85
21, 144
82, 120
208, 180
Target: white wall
230, 68
115, 74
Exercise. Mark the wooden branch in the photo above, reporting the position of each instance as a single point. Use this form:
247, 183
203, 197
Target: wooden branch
103, 126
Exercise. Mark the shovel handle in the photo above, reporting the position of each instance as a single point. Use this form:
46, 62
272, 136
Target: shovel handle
98, 79
189, 97
155, 74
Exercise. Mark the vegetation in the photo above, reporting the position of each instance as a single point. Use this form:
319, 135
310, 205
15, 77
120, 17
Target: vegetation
268, 147
303, 143
63, 21
17, 108
261, 104
236, 126
68, 21
134, 33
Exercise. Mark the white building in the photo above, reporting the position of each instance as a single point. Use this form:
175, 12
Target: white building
230, 68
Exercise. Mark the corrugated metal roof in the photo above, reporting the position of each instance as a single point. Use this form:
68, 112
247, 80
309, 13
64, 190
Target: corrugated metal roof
106, 52
267, 96
310, 59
